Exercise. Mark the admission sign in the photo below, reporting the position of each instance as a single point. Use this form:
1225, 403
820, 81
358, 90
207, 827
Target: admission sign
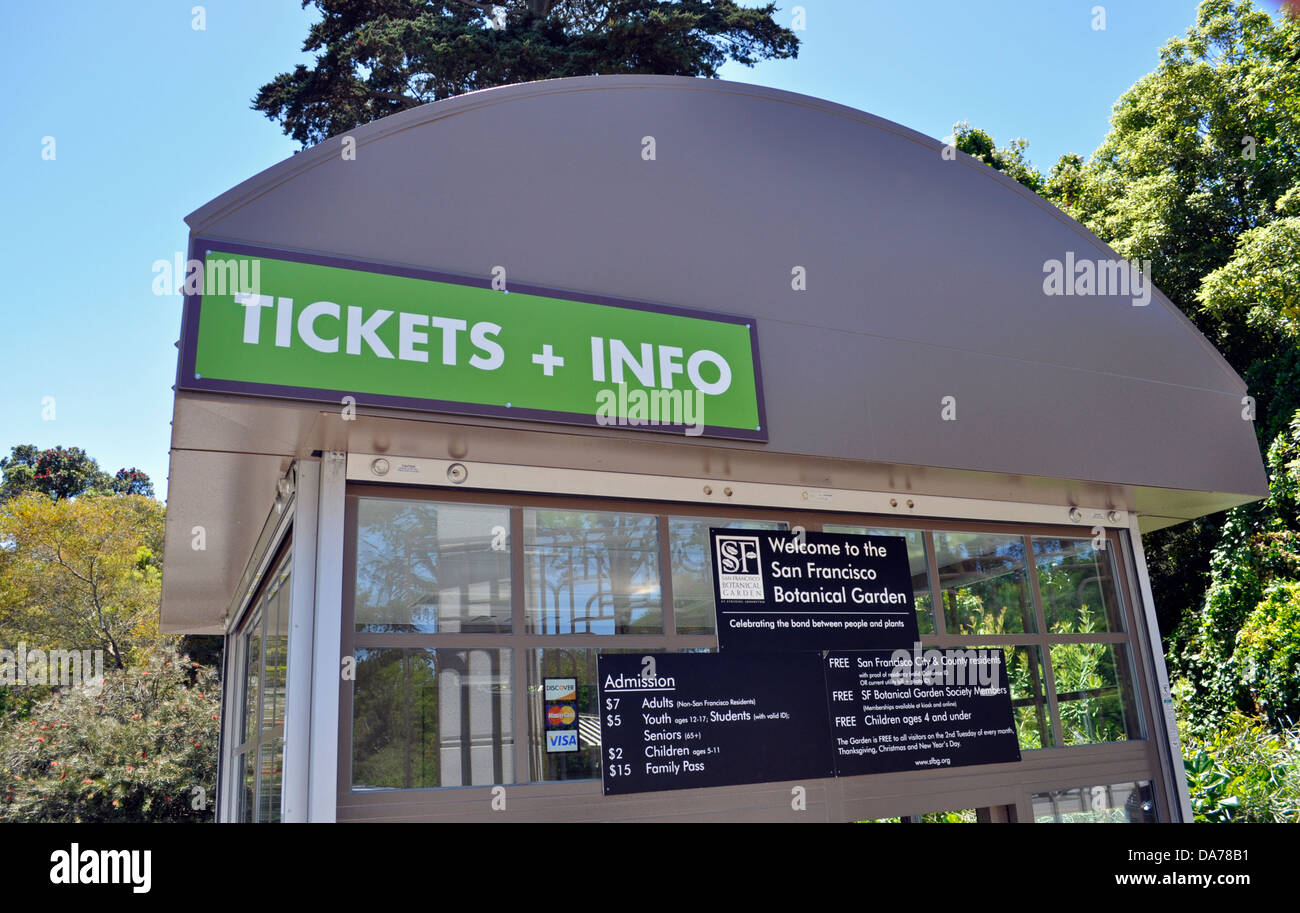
281, 324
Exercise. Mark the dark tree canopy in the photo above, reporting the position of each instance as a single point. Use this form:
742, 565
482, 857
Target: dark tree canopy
65, 473
378, 57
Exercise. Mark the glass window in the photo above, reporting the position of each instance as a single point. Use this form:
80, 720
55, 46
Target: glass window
269, 776
579, 664
1077, 584
956, 816
591, 572
1094, 693
583, 764
1118, 803
983, 583
425, 718
270, 672
688, 544
430, 568
917, 558
277, 654
265, 639
1028, 695
252, 677
246, 776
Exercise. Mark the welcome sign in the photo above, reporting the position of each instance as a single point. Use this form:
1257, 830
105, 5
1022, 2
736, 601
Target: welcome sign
280, 324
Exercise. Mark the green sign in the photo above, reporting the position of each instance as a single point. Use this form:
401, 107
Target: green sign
271, 323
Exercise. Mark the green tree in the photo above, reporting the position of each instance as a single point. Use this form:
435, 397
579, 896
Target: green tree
1010, 160
1202, 159
64, 473
1250, 605
1267, 656
82, 574
1202, 149
378, 58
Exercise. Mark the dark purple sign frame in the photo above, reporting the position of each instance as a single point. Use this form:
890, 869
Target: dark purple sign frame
186, 380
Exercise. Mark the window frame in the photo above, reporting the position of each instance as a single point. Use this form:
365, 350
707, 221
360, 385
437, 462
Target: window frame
243, 748
1137, 749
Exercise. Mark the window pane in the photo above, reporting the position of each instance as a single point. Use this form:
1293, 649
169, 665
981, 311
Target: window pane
983, 583
269, 660
1094, 693
431, 568
277, 652
269, 772
1028, 695
688, 543
583, 764
252, 677
245, 776
428, 718
956, 816
1077, 584
592, 572
1118, 803
919, 561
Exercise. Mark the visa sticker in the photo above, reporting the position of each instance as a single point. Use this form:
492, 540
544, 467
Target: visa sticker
566, 740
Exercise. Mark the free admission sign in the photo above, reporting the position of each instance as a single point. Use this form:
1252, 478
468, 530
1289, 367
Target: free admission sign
273, 323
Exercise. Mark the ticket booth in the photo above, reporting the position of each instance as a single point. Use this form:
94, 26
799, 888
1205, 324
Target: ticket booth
461, 394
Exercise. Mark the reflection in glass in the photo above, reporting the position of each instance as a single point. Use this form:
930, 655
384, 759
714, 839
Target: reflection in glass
983, 583
591, 572
427, 718
1094, 693
1077, 584
431, 568
252, 678
916, 557
583, 764
1028, 695
688, 543
270, 771
1118, 803
246, 775
277, 653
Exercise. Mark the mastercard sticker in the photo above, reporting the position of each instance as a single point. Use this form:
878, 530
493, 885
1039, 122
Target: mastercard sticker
561, 715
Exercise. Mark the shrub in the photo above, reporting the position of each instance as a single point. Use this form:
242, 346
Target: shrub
1267, 656
1244, 773
141, 746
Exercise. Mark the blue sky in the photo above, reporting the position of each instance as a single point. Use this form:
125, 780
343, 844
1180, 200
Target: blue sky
150, 118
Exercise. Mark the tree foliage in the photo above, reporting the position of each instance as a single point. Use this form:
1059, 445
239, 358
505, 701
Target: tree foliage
82, 574
1011, 160
1200, 174
379, 57
64, 473
1250, 605
1242, 772
1201, 150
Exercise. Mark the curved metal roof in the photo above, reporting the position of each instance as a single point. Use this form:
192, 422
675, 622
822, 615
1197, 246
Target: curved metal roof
924, 277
